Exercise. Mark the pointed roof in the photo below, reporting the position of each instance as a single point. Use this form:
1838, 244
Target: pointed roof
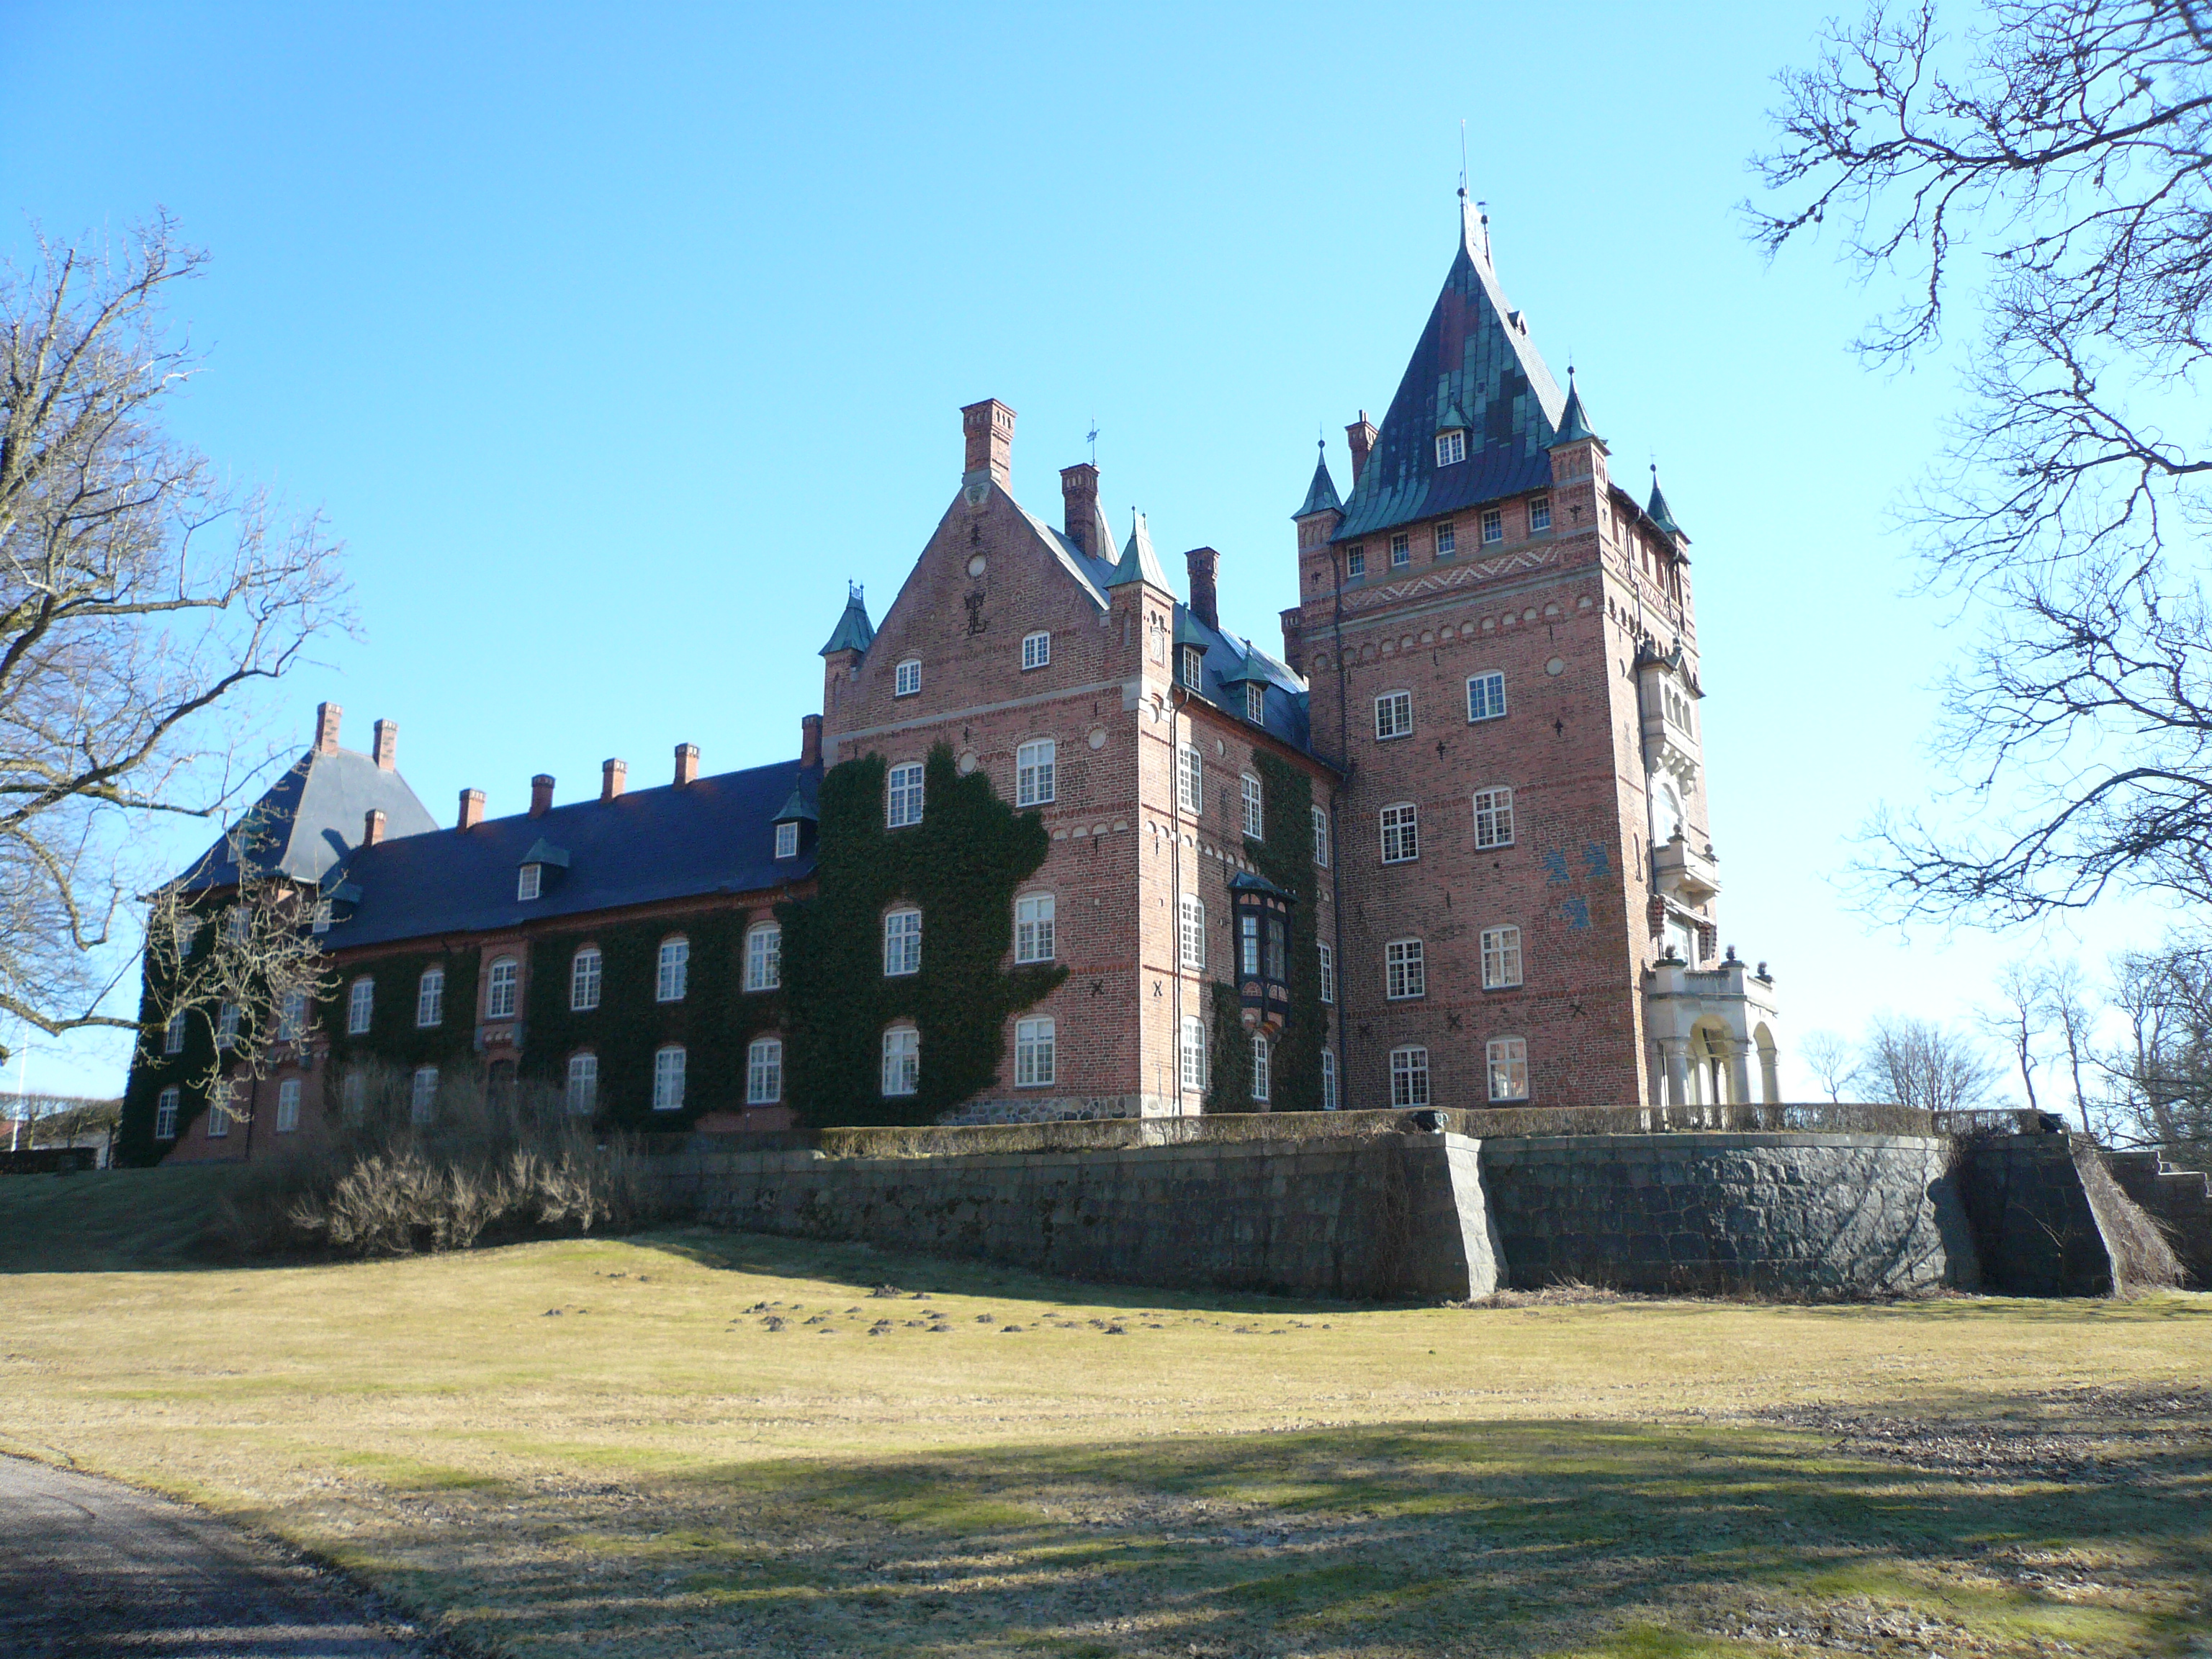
542, 851
1139, 562
1453, 421
1251, 666
1320, 494
1473, 362
1574, 424
307, 821
854, 632
1656, 509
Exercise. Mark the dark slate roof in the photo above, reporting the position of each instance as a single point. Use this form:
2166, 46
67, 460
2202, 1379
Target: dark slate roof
854, 632
1230, 662
1656, 511
311, 817
1320, 494
712, 836
1473, 360
1574, 424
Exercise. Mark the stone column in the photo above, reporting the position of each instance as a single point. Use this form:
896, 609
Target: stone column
1737, 1053
1769, 1084
1675, 1052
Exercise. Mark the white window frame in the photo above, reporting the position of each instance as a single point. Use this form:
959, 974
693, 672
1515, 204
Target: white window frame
173, 1034
1451, 447
902, 794
1255, 702
430, 999
906, 678
1037, 1053
502, 991
1190, 666
672, 969
1329, 1102
1493, 526
321, 923
668, 1065
765, 1071
580, 1094
1447, 539
360, 1005
902, 942
787, 839
1401, 550
764, 957
1191, 1056
1501, 957
1506, 1060
1037, 769
901, 1072
1248, 944
1539, 512
1355, 561
1394, 716
217, 1115
1036, 650
1400, 824
292, 1017
1192, 931
1320, 837
1036, 927
1255, 818
587, 969
166, 1106
1487, 704
1493, 816
529, 881
1405, 970
1262, 1079
237, 925
288, 1106
1190, 781
1409, 1077
226, 1026
1328, 953
422, 1096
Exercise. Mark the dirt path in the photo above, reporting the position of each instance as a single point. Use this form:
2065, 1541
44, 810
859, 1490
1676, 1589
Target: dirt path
90, 1568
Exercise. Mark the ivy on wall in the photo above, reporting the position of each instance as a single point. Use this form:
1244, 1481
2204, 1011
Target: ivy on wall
1228, 1063
152, 1071
392, 1037
960, 866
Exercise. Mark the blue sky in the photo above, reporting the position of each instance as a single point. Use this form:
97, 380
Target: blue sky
614, 344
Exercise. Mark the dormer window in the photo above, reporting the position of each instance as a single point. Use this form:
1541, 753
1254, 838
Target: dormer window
786, 840
1193, 667
529, 882
1255, 702
907, 683
1451, 447
1540, 514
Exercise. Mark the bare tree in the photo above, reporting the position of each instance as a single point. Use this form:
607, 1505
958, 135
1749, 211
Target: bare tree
1916, 1062
2161, 1072
1831, 1060
2067, 1004
2070, 142
2018, 1019
141, 596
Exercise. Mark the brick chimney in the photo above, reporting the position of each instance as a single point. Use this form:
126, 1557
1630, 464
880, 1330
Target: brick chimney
810, 739
687, 763
386, 745
1294, 639
989, 429
471, 810
541, 794
1361, 436
1078, 496
612, 774
372, 827
326, 727
1203, 562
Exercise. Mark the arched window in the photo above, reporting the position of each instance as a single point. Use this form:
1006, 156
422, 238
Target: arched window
500, 988
1037, 1053
288, 1106
673, 976
584, 970
430, 997
1409, 1077
167, 1104
668, 1078
902, 943
1035, 927
360, 1005
581, 1096
764, 957
423, 1098
1259, 1077
901, 1060
1509, 1068
1193, 931
765, 1071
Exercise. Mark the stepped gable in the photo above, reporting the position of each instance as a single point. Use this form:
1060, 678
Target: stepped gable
309, 819
712, 836
1475, 363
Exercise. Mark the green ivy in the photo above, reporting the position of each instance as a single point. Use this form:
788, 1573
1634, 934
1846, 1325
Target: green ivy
960, 866
152, 1071
1285, 858
1229, 1074
392, 1037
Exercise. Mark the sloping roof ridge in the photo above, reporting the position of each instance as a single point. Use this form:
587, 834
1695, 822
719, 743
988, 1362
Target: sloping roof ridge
576, 806
1070, 555
1548, 395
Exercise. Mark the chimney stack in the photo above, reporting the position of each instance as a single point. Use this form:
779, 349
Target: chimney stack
687, 763
372, 827
989, 429
1078, 496
612, 774
326, 727
471, 810
541, 794
1294, 640
1204, 604
810, 740
385, 746
1361, 436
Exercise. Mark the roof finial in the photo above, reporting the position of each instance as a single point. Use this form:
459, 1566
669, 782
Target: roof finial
1462, 159
1094, 440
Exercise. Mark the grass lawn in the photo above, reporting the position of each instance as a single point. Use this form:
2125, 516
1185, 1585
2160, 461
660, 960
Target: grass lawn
702, 1443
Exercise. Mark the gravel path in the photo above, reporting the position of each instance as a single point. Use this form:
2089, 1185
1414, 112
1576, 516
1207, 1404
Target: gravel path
90, 1568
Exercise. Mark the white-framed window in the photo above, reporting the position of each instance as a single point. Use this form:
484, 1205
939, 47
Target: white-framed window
188, 930
1402, 833
237, 925
906, 678
1035, 769
1329, 1098
1035, 923
1401, 550
360, 1005
500, 988
1191, 667
430, 999
585, 969
1253, 820
218, 1112
1036, 650
902, 943
1539, 512
1355, 561
765, 1071
1327, 972
787, 839
1193, 1053
672, 973
1447, 539
1193, 931
582, 1096
1190, 781
1248, 945
422, 1096
352, 1099
1394, 715
1260, 1081
288, 1106
1451, 447
527, 881
226, 1026
1485, 697
668, 1078
1409, 1077
292, 1015
901, 1060
173, 1034
902, 795
321, 924
1405, 970
764, 957
1501, 957
1255, 702
1493, 526
1037, 1053
1509, 1068
167, 1104
1320, 836
1493, 818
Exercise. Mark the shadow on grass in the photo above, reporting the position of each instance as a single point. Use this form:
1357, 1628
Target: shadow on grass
110, 1220
1504, 1538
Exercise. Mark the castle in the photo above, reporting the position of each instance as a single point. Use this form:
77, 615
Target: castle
1059, 844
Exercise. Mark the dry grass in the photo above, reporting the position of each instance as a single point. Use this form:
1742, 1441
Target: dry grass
724, 1444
